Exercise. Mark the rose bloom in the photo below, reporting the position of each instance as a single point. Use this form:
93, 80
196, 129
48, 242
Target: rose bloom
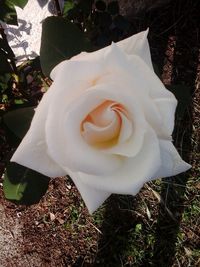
106, 121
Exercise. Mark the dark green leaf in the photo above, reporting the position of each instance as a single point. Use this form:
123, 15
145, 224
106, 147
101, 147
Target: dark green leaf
157, 70
18, 121
8, 13
23, 185
4, 64
183, 95
61, 40
4, 46
19, 3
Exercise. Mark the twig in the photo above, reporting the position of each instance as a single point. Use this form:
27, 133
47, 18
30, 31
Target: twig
58, 9
94, 227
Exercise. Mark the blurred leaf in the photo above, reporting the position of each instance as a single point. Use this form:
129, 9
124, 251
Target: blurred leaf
103, 19
100, 5
4, 80
183, 95
67, 7
18, 121
61, 40
13, 191
138, 228
85, 6
8, 13
4, 46
113, 8
24, 185
4, 64
121, 23
19, 3
4, 98
18, 101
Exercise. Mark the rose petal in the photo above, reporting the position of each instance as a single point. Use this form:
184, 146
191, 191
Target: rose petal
137, 45
32, 151
96, 135
148, 82
131, 147
134, 172
158, 103
134, 45
103, 115
86, 73
171, 162
167, 109
126, 129
92, 197
77, 154
133, 128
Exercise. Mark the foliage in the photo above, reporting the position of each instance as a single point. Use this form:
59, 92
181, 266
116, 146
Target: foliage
18, 121
100, 21
23, 185
61, 40
8, 13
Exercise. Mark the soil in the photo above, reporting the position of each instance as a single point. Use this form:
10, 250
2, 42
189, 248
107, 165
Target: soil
58, 231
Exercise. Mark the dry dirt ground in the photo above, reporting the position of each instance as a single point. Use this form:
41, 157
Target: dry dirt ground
158, 227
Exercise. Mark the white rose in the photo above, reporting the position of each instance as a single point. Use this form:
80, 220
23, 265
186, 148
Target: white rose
106, 121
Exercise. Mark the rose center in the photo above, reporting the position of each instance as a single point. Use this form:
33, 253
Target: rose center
102, 127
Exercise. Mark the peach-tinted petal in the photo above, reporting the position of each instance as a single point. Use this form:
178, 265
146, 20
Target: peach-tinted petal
95, 135
77, 154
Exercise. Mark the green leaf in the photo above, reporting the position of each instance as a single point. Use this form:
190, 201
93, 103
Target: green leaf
19, 3
8, 13
13, 191
68, 6
18, 121
183, 95
19, 101
61, 40
23, 185
138, 228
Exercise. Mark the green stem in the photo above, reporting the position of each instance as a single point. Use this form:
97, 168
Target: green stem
10, 54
